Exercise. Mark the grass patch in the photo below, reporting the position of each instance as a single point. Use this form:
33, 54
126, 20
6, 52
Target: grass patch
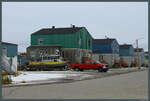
17, 73
23, 81
6, 80
4, 73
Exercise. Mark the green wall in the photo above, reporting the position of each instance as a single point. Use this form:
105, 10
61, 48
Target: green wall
65, 40
85, 37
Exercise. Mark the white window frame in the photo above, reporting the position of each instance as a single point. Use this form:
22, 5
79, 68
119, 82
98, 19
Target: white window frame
40, 41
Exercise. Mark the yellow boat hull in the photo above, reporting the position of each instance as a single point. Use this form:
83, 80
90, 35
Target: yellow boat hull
46, 63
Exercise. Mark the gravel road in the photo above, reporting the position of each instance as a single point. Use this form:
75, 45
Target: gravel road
133, 85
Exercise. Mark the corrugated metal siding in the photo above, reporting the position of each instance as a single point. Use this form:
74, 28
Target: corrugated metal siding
126, 52
65, 40
102, 48
112, 48
131, 51
115, 47
85, 37
12, 50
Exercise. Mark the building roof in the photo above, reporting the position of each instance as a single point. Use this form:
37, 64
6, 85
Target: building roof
6, 43
125, 46
103, 41
138, 50
70, 30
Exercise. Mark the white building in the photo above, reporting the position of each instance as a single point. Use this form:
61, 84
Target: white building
139, 53
9, 57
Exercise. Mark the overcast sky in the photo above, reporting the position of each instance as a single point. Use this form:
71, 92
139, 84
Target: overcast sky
124, 21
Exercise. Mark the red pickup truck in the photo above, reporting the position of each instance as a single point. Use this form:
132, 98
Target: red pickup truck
90, 64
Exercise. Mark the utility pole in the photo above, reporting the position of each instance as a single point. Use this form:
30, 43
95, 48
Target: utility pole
138, 57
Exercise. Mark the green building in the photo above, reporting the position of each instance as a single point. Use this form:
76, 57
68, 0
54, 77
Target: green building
146, 58
74, 43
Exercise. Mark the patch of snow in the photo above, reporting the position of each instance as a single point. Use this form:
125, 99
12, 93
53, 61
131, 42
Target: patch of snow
30, 76
109, 71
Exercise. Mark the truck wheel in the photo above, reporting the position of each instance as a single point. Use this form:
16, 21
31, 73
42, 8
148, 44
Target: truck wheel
81, 70
100, 69
105, 70
76, 69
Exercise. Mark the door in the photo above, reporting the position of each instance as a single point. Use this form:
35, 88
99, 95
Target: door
93, 65
87, 65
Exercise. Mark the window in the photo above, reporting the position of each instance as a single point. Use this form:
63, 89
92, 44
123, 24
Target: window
79, 41
87, 62
46, 52
100, 57
92, 62
32, 54
4, 51
57, 52
40, 41
63, 54
41, 51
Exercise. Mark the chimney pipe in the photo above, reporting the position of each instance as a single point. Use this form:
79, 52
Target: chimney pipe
73, 26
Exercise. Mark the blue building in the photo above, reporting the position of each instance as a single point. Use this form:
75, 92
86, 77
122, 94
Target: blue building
9, 49
9, 57
106, 50
126, 52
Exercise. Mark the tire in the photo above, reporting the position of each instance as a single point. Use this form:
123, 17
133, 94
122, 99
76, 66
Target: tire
67, 67
41, 69
76, 68
81, 70
105, 70
64, 68
100, 69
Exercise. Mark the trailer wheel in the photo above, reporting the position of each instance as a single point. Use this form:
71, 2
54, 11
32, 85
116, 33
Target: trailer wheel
67, 67
40, 69
63, 68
